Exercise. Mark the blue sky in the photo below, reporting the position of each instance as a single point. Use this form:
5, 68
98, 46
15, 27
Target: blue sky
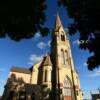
27, 52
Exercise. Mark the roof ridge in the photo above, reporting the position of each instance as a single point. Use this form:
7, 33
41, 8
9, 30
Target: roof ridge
21, 70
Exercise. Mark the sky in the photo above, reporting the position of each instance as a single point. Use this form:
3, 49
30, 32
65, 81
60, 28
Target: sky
28, 51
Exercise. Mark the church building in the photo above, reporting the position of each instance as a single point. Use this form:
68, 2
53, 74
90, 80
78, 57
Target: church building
52, 78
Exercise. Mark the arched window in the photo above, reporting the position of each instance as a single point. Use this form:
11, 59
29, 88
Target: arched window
62, 56
62, 37
49, 75
45, 75
67, 88
66, 57
13, 77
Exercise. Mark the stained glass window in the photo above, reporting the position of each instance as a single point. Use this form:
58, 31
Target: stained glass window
67, 87
45, 75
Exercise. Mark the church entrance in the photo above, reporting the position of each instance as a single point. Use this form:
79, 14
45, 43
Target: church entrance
67, 89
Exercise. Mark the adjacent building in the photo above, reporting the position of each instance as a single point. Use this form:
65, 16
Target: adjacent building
96, 96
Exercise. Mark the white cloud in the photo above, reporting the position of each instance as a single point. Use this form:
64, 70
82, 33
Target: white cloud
97, 73
34, 58
66, 29
85, 64
76, 42
2, 69
49, 43
37, 35
41, 45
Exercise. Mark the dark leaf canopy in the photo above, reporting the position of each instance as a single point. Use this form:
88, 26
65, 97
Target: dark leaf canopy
21, 19
86, 15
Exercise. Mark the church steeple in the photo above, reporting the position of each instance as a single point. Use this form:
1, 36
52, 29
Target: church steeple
58, 27
60, 44
58, 33
63, 70
58, 23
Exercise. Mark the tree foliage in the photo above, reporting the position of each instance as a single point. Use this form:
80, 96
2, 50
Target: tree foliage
21, 19
86, 15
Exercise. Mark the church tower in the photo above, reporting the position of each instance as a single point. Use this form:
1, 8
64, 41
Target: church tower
65, 82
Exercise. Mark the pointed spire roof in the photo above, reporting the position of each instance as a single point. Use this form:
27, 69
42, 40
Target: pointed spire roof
58, 23
46, 60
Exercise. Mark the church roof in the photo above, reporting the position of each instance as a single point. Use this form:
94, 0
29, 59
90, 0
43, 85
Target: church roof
21, 70
46, 60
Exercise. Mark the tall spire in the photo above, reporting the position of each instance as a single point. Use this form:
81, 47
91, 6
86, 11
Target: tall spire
58, 23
